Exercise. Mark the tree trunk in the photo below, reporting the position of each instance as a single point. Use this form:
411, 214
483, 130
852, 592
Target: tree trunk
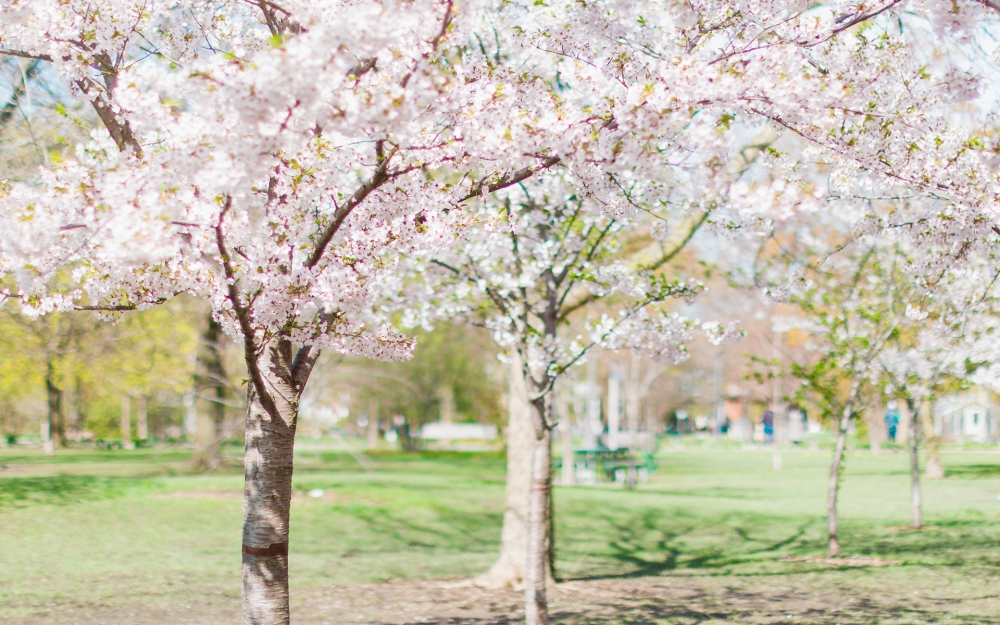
267, 491
539, 524
45, 432
915, 521
372, 431
836, 468
905, 418
57, 428
211, 386
142, 419
206, 438
565, 438
73, 415
777, 422
568, 459
633, 400
933, 469
614, 408
875, 425
508, 570
126, 422
651, 429
592, 422
191, 415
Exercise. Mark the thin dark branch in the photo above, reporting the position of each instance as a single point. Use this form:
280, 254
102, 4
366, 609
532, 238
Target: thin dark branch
344, 210
25, 55
510, 179
243, 317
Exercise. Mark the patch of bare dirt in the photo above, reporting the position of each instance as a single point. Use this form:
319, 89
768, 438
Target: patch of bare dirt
844, 561
667, 600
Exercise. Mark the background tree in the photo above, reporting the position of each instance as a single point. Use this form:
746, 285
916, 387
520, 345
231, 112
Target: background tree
851, 310
537, 257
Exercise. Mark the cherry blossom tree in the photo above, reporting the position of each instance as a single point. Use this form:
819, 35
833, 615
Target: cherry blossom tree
916, 372
535, 259
276, 158
850, 305
269, 163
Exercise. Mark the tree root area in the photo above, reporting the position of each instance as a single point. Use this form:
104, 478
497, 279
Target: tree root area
814, 597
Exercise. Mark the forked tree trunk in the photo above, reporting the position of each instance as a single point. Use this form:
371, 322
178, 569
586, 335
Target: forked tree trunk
915, 520
508, 570
267, 491
933, 469
836, 469
539, 526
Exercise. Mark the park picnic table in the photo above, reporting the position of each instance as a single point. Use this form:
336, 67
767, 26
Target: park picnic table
611, 463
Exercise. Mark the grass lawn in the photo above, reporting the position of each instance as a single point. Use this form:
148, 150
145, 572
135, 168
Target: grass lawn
117, 532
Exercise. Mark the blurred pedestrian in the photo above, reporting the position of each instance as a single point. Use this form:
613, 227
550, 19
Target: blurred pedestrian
768, 426
892, 420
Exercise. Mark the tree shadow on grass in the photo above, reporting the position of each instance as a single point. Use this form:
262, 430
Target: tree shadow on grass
447, 529
648, 543
651, 542
971, 471
60, 489
954, 542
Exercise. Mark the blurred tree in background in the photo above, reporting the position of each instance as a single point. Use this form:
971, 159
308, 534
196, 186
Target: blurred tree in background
70, 372
454, 374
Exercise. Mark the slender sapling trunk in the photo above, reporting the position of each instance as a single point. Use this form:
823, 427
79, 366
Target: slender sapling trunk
915, 521
836, 468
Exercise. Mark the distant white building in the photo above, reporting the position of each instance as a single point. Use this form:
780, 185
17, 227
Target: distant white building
973, 416
458, 432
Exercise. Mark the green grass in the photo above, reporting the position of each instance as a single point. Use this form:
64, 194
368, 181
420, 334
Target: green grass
93, 527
